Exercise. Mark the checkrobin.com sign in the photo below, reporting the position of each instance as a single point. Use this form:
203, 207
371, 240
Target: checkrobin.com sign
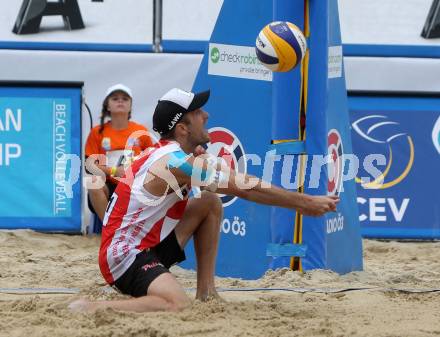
236, 61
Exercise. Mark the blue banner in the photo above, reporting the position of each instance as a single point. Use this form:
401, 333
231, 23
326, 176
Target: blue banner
40, 151
397, 142
248, 111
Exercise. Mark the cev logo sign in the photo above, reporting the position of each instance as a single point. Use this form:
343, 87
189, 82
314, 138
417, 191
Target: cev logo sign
381, 182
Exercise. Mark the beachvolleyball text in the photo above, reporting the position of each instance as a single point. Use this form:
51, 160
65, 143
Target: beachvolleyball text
62, 187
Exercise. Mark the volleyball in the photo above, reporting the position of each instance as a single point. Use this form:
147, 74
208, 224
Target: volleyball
280, 46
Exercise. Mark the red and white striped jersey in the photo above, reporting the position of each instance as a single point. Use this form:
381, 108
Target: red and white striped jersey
135, 219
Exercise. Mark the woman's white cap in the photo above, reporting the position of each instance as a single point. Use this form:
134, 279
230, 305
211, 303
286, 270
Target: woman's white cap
119, 87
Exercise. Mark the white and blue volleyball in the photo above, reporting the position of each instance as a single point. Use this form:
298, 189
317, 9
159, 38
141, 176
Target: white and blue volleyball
281, 46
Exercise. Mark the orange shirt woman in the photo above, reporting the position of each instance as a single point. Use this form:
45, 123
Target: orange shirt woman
112, 145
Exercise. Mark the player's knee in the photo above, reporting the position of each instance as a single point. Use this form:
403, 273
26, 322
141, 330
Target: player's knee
212, 202
180, 304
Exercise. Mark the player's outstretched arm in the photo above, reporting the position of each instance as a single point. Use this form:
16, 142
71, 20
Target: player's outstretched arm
254, 189
221, 179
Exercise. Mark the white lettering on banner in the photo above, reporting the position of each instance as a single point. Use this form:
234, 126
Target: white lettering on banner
60, 160
10, 121
11, 118
398, 213
335, 224
335, 62
362, 217
376, 211
8, 152
235, 227
236, 61
377, 208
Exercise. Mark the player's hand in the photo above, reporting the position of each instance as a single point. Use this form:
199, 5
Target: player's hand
318, 205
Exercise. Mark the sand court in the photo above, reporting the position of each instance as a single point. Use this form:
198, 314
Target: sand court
396, 295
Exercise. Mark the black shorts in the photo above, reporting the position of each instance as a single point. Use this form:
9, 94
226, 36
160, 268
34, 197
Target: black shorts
148, 265
111, 188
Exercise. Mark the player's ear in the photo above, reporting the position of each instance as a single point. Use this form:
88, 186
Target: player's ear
182, 129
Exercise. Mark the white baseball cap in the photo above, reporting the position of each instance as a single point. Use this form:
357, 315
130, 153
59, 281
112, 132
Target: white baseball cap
173, 105
119, 87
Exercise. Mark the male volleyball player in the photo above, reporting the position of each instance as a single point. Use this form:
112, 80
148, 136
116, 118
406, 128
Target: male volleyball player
149, 218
